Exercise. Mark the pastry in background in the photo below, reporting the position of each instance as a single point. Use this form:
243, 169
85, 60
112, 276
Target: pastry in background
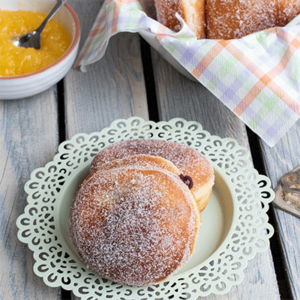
287, 11
226, 19
192, 12
149, 8
231, 19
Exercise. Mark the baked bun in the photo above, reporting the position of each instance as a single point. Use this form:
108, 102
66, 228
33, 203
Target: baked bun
233, 19
141, 161
287, 11
227, 19
148, 7
192, 12
189, 161
134, 226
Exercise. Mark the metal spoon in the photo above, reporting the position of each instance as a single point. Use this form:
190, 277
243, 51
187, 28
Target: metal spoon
33, 39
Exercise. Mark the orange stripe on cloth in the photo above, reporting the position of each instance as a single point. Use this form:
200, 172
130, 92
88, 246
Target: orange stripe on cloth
114, 25
89, 42
97, 29
295, 43
284, 35
280, 67
256, 90
245, 61
281, 94
208, 58
265, 80
82, 55
161, 32
248, 99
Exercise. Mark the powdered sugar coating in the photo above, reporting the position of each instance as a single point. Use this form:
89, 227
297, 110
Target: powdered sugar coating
230, 19
188, 160
134, 226
191, 11
141, 161
226, 19
287, 10
165, 13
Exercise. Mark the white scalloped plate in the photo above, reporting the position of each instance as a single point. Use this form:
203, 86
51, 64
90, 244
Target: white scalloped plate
234, 224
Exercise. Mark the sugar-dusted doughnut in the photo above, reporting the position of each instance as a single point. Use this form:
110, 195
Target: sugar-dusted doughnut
226, 19
188, 160
287, 11
141, 161
192, 12
232, 19
134, 226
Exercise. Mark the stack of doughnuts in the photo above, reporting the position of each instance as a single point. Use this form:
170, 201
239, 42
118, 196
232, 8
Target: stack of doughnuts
188, 160
135, 218
226, 19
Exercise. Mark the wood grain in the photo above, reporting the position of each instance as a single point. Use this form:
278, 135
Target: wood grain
281, 159
115, 88
28, 140
180, 97
112, 88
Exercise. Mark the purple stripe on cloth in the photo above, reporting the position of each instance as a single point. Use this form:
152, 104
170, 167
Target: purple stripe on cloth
229, 95
274, 128
207, 74
188, 55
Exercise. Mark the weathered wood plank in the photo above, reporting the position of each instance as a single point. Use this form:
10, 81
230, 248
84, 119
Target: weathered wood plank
180, 97
112, 88
28, 140
280, 159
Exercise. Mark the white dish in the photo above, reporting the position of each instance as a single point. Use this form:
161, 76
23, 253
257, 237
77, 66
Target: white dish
23, 86
216, 219
235, 224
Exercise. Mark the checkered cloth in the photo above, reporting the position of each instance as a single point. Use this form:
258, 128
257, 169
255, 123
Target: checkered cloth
257, 77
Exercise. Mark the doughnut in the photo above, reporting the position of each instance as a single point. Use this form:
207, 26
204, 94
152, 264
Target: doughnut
147, 161
134, 226
192, 12
148, 7
287, 11
233, 19
142, 161
226, 19
189, 161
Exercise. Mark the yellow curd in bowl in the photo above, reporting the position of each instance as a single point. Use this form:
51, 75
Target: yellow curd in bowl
18, 60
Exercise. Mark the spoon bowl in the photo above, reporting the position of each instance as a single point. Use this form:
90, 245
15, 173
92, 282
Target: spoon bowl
33, 39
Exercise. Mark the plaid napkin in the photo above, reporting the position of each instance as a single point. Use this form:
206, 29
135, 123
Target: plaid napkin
257, 77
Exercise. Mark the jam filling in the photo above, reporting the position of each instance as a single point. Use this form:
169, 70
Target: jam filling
187, 180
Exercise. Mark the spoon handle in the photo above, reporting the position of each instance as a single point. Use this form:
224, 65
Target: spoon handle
57, 6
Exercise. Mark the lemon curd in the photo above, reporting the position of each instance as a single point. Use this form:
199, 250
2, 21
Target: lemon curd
18, 60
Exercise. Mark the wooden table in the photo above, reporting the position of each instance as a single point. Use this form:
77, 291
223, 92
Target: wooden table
131, 80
